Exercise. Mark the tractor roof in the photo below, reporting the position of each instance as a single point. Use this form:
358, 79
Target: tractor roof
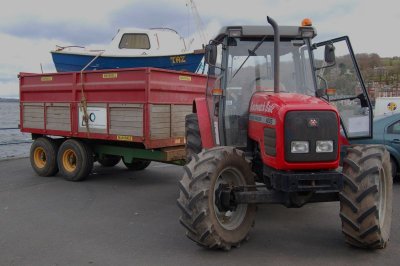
257, 31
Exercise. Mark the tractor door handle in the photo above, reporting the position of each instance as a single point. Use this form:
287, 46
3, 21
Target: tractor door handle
396, 141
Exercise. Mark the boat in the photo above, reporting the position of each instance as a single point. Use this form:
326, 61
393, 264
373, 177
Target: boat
132, 48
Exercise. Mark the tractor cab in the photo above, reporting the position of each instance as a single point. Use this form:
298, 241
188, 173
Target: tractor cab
243, 68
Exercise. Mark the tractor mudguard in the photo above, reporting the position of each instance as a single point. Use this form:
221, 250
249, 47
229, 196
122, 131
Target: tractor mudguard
200, 107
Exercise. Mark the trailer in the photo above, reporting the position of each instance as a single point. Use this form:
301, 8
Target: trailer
77, 118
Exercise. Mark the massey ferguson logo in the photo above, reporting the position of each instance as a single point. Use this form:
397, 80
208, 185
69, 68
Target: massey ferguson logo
263, 107
312, 122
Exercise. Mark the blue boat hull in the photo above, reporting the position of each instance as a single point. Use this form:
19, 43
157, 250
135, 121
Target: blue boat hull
65, 62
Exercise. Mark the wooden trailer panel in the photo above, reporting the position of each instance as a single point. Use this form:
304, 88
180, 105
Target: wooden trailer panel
33, 115
58, 116
126, 119
160, 121
178, 114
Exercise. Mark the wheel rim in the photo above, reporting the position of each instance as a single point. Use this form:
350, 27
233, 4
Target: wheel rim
69, 160
230, 220
39, 156
382, 197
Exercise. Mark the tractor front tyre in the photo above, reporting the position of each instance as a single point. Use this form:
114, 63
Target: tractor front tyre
366, 198
192, 134
43, 156
136, 164
75, 160
394, 168
109, 160
205, 223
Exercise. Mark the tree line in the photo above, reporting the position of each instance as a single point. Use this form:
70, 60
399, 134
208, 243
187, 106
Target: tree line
377, 69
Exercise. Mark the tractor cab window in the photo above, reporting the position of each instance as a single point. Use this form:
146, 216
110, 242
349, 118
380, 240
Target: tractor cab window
249, 72
340, 83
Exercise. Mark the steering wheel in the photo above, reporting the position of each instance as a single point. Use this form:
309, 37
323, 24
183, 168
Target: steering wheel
254, 88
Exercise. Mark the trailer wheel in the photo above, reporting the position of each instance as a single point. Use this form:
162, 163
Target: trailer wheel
205, 224
109, 160
43, 156
366, 198
136, 164
193, 138
75, 160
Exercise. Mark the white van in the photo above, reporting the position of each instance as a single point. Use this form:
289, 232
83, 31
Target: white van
386, 105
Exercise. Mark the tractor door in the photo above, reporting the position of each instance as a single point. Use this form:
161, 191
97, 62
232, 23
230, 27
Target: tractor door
339, 81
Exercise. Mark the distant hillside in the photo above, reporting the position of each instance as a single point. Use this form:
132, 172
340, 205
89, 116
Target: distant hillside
379, 69
377, 72
10, 100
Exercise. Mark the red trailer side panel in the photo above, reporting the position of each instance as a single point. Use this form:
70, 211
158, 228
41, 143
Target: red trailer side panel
145, 105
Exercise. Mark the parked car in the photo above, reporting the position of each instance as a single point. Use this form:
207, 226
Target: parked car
387, 132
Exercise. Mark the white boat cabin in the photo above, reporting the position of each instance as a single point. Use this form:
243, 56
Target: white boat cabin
137, 42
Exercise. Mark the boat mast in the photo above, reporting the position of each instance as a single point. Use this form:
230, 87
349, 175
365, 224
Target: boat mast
199, 23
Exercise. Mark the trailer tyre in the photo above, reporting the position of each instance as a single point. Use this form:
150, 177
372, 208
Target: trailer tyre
43, 156
366, 198
204, 223
75, 160
109, 160
192, 134
137, 165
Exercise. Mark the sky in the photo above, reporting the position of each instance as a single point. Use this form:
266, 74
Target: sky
30, 29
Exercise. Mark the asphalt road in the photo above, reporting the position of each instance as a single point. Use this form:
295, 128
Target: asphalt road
117, 217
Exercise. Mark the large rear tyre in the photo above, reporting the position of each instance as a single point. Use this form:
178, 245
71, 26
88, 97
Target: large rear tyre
109, 160
43, 156
192, 134
137, 165
394, 168
205, 224
75, 160
366, 198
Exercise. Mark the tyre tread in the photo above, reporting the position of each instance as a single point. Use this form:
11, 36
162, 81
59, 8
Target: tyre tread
193, 137
194, 197
51, 148
359, 196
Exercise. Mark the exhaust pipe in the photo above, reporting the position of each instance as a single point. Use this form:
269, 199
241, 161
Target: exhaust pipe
276, 52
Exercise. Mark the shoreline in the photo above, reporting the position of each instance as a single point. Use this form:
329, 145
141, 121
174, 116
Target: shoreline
12, 158
9, 100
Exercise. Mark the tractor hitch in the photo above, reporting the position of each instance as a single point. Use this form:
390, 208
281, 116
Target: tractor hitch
228, 198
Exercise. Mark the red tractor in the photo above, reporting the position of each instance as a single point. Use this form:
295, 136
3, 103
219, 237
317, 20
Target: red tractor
269, 130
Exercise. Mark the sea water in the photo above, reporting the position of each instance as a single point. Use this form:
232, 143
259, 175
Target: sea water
13, 143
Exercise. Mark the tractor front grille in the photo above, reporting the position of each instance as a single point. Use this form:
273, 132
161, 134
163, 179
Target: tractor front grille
311, 126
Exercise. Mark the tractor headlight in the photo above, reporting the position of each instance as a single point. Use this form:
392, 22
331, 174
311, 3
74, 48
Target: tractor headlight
299, 147
324, 146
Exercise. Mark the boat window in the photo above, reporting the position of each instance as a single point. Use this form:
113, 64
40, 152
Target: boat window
134, 41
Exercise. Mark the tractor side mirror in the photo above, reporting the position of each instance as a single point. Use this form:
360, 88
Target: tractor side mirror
330, 54
211, 54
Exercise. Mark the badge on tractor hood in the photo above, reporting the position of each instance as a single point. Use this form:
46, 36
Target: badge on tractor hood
312, 122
